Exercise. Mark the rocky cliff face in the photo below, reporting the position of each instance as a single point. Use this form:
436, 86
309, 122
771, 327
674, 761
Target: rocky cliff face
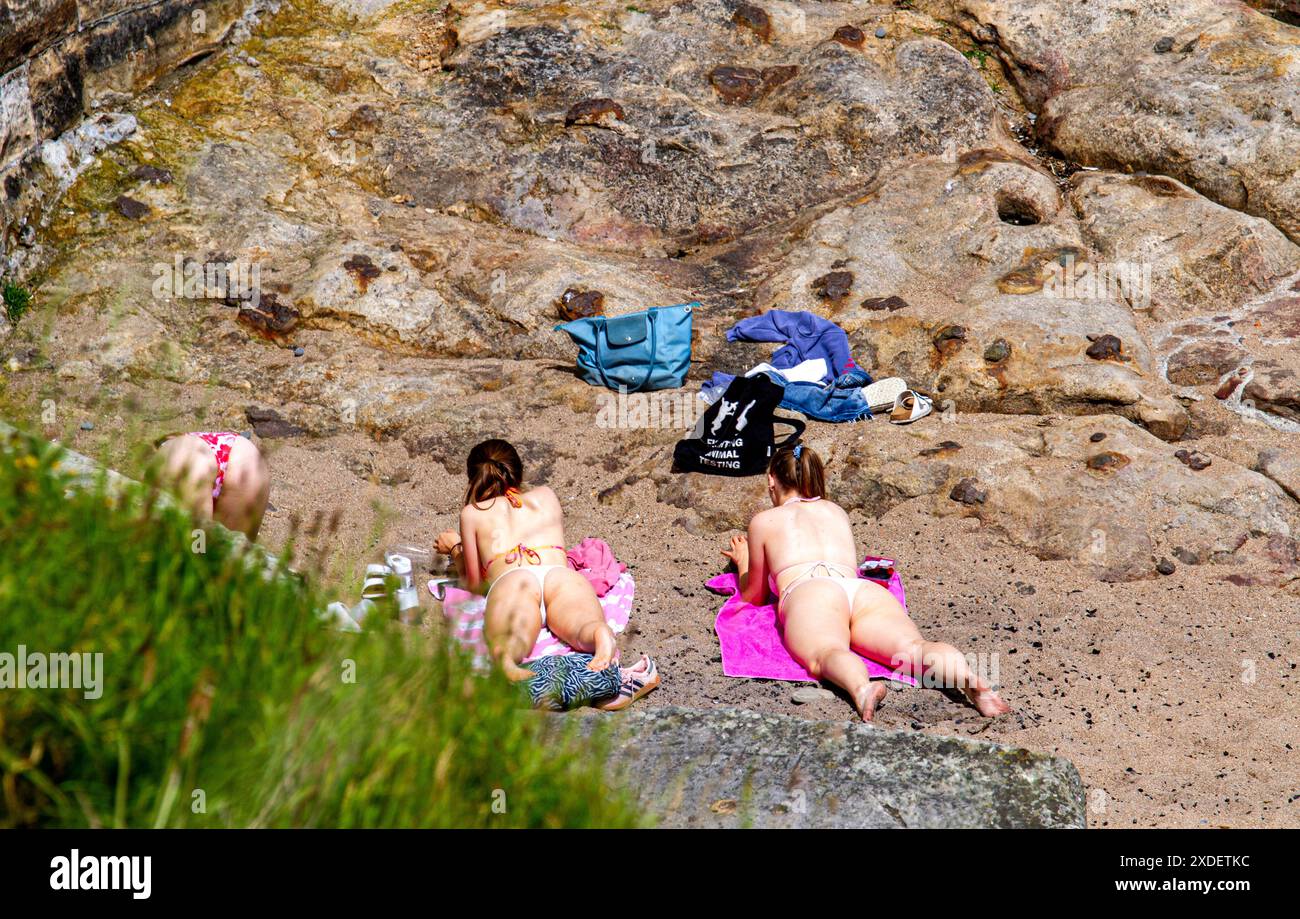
64, 60
1070, 224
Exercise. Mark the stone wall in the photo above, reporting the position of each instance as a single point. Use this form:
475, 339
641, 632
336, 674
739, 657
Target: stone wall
62, 60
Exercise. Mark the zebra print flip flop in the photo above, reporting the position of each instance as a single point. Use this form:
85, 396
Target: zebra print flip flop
638, 681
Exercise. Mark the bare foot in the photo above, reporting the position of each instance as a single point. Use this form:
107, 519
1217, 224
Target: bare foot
988, 702
514, 673
871, 696
603, 656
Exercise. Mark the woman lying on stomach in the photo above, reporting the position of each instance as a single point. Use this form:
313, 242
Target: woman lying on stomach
803, 551
512, 543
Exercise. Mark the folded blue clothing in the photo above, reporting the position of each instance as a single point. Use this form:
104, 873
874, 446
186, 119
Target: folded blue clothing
840, 400
807, 336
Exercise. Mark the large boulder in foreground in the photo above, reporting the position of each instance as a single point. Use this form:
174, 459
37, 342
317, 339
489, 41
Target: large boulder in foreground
733, 768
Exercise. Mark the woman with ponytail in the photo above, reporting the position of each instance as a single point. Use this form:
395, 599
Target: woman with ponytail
802, 550
511, 545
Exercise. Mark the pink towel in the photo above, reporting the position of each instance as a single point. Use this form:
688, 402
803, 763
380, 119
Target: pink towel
464, 612
593, 559
751, 637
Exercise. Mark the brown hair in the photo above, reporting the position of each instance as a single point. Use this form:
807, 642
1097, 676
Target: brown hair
493, 468
803, 474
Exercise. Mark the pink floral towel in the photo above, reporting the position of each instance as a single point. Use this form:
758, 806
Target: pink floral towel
751, 638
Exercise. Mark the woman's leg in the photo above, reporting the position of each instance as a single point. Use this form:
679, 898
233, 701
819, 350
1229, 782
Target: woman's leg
574, 615
512, 622
816, 616
245, 491
882, 630
189, 467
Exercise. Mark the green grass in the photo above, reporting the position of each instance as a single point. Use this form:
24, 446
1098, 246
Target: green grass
223, 702
17, 301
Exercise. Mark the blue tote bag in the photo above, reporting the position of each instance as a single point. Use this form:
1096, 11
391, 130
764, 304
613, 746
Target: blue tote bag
650, 349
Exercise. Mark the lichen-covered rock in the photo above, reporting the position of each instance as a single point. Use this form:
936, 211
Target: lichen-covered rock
974, 245
1046, 485
1125, 85
1215, 262
732, 768
719, 131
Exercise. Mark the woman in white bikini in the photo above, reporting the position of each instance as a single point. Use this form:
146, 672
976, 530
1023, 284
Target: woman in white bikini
802, 550
512, 543
218, 476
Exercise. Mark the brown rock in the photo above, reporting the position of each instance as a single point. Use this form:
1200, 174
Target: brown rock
834, 286
596, 112
753, 18
949, 339
131, 208
884, 303
940, 448
152, 175
1193, 459
1106, 348
1203, 361
579, 304
363, 269
1274, 388
849, 35
1107, 461
269, 317
736, 85
269, 423
967, 491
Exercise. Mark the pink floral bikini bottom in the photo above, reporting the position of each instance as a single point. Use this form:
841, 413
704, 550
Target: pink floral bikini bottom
220, 442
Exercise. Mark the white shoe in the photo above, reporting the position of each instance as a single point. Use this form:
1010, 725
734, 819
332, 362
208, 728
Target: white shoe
339, 617
883, 394
910, 406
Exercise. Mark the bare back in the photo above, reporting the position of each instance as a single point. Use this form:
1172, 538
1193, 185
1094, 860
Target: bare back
493, 531
799, 532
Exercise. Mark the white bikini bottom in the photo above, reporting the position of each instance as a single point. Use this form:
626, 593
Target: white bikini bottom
537, 571
850, 585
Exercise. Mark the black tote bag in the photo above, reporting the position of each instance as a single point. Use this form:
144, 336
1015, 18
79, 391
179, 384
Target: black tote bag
736, 435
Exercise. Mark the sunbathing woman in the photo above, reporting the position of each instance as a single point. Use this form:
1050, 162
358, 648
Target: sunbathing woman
803, 550
218, 475
513, 542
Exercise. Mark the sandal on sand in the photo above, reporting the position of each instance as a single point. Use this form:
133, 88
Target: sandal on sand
375, 586
637, 682
883, 394
910, 406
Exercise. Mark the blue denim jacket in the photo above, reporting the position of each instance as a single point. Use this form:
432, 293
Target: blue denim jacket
840, 400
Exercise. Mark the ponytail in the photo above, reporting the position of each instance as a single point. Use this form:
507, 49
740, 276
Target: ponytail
798, 468
494, 470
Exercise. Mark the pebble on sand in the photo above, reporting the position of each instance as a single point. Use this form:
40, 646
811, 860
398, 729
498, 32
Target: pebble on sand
807, 694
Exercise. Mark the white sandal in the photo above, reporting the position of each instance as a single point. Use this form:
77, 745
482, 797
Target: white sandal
910, 406
883, 394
